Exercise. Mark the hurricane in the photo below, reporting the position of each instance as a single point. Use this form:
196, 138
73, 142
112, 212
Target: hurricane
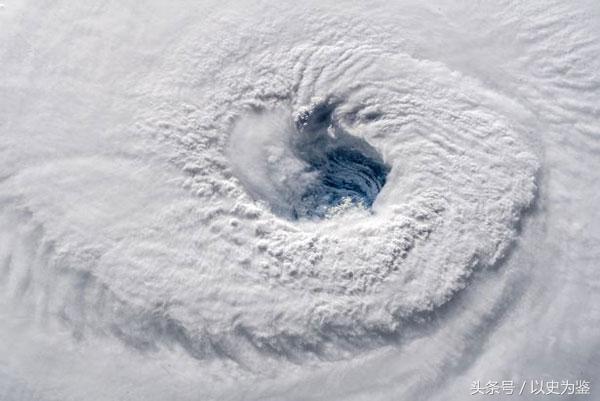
205, 200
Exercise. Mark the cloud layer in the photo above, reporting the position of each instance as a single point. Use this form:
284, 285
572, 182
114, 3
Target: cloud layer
182, 199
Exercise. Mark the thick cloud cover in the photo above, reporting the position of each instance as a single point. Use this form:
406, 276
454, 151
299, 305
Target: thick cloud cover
254, 201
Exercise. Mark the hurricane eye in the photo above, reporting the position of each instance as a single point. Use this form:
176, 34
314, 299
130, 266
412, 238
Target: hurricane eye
306, 168
347, 169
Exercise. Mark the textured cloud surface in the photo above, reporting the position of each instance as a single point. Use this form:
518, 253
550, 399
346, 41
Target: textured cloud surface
328, 201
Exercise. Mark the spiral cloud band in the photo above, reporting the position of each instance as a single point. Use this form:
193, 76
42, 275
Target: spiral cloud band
282, 201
